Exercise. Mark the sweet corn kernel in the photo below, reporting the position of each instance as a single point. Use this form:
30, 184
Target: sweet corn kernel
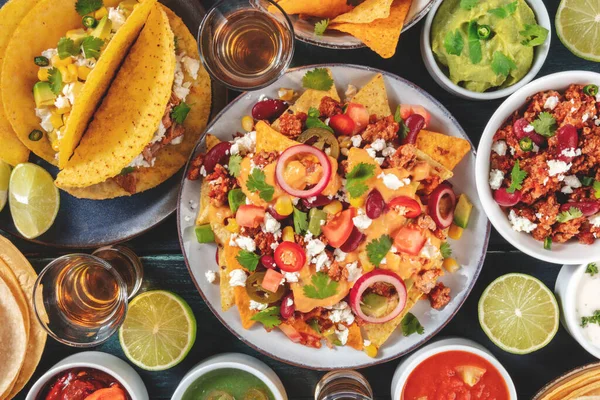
455, 232
62, 111
451, 265
57, 62
83, 72
100, 13
284, 206
285, 94
333, 208
232, 225
43, 74
357, 202
371, 350
288, 234
56, 120
75, 33
368, 267
247, 123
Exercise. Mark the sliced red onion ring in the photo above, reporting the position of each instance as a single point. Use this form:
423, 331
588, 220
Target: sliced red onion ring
435, 205
297, 150
368, 280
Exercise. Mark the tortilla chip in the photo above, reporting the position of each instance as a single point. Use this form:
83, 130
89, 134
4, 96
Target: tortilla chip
211, 141
242, 301
269, 140
355, 339
380, 35
366, 12
438, 169
445, 149
314, 8
203, 217
374, 97
227, 292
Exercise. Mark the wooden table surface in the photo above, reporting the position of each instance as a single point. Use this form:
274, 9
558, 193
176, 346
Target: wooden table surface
164, 267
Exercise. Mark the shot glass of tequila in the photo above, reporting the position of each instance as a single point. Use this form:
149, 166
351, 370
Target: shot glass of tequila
246, 44
343, 385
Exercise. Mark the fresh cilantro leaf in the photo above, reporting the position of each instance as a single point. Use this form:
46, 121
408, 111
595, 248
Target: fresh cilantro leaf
313, 121
410, 324
454, 42
317, 79
180, 112
397, 114
403, 129
592, 269
176, 43
55, 80
321, 26
355, 179
517, 175
587, 181
445, 249
501, 64
378, 248
91, 46
300, 221
84, 7
504, 11
127, 170
534, 35
256, 183
248, 260
66, 48
468, 4
545, 124
236, 198
566, 216
594, 319
235, 165
269, 317
314, 325
475, 54
322, 287
596, 187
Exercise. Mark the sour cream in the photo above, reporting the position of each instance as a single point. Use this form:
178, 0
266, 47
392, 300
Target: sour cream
588, 302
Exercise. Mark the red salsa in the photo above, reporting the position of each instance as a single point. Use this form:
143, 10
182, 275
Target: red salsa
455, 375
84, 384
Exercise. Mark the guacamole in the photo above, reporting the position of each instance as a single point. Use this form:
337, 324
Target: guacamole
228, 384
485, 43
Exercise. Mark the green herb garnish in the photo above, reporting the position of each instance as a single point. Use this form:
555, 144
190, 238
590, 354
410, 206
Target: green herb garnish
587, 181
317, 79
313, 121
445, 250
475, 54
534, 35
355, 179
596, 187
248, 260
571, 214
321, 26
548, 243
235, 165
517, 175
322, 287
256, 183
591, 269
378, 248
66, 48
403, 129
545, 124
235, 198
484, 32
410, 324
454, 43
300, 221
84, 7
180, 112
269, 317
594, 319
501, 64
468, 4
127, 170
55, 80
90, 46
504, 11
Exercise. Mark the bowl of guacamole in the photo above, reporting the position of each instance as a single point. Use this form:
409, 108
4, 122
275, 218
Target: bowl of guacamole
485, 49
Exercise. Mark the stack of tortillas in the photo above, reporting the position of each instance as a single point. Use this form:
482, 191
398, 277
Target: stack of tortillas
22, 338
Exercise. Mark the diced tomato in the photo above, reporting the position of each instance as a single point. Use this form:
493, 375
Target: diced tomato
411, 206
359, 115
291, 333
290, 257
272, 280
249, 216
409, 240
338, 230
406, 110
342, 124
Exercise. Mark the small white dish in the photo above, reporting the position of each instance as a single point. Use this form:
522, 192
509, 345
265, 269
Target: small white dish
565, 253
235, 361
438, 75
407, 366
114, 366
566, 288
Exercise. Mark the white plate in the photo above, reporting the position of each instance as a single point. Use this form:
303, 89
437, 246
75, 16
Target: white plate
305, 30
469, 251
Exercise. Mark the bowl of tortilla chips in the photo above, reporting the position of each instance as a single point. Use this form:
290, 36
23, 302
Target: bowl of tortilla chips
581, 383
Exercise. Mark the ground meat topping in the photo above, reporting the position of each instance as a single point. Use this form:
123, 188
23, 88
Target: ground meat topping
385, 128
425, 280
220, 183
195, 167
127, 181
263, 158
329, 107
291, 125
439, 296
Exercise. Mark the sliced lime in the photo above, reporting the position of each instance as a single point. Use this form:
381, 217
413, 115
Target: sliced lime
33, 199
578, 27
159, 330
4, 179
518, 313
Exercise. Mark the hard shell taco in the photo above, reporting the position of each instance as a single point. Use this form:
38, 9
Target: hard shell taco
150, 119
54, 76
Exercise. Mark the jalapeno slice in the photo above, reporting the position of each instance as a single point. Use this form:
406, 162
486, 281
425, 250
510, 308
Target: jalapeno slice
319, 138
590, 90
484, 32
526, 144
35, 135
255, 394
41, 61
257, 293
89, 22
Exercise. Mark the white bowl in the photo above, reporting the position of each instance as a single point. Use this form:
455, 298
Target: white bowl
436, 72
566, 253
114, 366
236, 361
566, 293
407, 366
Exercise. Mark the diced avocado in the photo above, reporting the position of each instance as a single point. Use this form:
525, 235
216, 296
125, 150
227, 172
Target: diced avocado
204, 234
102, 30
315, 217
462, 212
374, 305
236, 198
43, 94
77, 36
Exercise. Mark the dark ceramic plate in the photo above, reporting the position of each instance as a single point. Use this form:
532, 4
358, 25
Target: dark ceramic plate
91, 223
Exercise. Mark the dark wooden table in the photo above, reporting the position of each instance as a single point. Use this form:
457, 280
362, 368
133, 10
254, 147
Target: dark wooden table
165, 269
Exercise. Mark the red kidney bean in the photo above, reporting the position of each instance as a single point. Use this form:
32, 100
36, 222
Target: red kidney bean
268, 109
506, 199
217, 256
567, 138
586, 207
519, 131
374, 205
275, 214
355, 238
287, 311
320, 201
268, 262
414, 123
216, 155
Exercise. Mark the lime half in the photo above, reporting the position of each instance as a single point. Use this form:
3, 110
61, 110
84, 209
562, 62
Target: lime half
159, 330
578, 27
518, 313
4, 179
33, 199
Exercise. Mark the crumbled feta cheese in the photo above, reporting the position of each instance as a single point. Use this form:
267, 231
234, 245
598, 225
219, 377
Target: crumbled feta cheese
140, 161
539, 215
572, 181
314, 247
392, 182
378, 145
383, 261
545, 181
339, 255
512, 151
341, 312
321, 261
243, 242
551, 102
388, 151
237, 277
595, 220
354, 271
244, 144
566, 190
597, 122
520, 224
178, 140
81, 61
270, 224
291, 277
117, 17
366, 343
61, 102
350, 92
499, 147
379, 160
159, 134
585, 117
528, 128
289, 302
191, 66
311, 199
356, 140
361, 221
556, 167
256, 306
49, 53
44, 114
496, 179
573, 109
371, 151
429, 250
203, 171
342, 334
571, 152
394, 249
211, 277
535, 148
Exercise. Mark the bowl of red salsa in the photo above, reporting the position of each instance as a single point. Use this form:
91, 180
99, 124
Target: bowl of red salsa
452, 368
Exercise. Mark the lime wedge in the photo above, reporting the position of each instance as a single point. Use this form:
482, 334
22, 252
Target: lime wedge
4, 179
33, 199
518, 313
159, 330
578, 27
